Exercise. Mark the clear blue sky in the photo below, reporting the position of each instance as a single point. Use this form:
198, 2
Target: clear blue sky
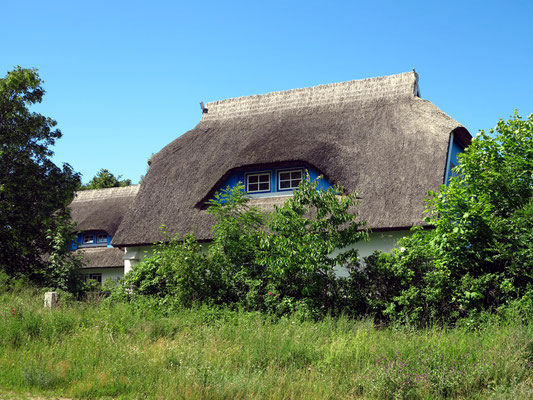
125, 78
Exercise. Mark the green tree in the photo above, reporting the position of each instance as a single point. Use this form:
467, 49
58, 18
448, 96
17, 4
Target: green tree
61, 270
282, 263
105, 179
176, 274
480, 254
32, 187
310, 237
235, 251
482, 234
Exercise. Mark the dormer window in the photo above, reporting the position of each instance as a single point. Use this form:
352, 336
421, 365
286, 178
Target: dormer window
92, 239
273, 180
256, 183
289, 180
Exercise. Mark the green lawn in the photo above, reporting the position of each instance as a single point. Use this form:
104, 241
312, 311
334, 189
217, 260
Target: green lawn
121, 351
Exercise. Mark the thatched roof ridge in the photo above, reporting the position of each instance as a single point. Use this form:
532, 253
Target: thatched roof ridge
107, 193
102, 257
101, 209
374, 136
365, 90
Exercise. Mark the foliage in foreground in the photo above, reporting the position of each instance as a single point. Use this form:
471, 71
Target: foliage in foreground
480, 254
32, 187
140, 350
281, 263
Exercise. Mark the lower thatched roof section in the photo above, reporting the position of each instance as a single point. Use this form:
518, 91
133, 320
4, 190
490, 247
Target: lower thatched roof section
102, 257
391, 148
101, 209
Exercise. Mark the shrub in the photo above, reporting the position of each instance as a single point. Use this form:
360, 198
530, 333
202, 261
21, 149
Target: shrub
235, 251
309, 238
283, 263
61, 271
480, 254
177, 273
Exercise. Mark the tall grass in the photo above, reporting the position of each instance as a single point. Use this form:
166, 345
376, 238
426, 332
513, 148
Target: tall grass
120, 350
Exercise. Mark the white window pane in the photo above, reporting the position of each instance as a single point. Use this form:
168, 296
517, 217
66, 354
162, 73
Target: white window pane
88, 239
258, 182
296, 175
285, 185
284, 176
295, 183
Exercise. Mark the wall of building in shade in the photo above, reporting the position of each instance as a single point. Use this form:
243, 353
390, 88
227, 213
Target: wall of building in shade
275, 190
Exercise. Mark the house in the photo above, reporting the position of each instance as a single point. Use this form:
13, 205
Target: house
98, 214
375, 136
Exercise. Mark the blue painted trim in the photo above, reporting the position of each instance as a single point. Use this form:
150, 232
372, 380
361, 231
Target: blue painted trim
454, 150
448, 160
94, 234
242, 176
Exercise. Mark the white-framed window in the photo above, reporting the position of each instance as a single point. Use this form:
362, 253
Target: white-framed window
88, 238
290, 179
95, 277
259, 182
92, 239
101, 238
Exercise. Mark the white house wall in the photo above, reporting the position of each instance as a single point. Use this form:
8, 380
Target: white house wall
134, 255
107, 273
384, 241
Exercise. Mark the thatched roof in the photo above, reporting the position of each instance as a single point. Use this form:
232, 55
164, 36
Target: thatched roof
375, 136
102, 257
101, 209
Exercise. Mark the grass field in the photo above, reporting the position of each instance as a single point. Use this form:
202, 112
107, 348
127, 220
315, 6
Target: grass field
105, 350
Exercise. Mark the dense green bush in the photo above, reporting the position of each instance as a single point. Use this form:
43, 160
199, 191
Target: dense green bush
480, 254
236, 250
182, 272
281, 263
299, 256
177, 273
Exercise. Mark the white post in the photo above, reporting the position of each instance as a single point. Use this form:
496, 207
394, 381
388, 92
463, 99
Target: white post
50, 300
